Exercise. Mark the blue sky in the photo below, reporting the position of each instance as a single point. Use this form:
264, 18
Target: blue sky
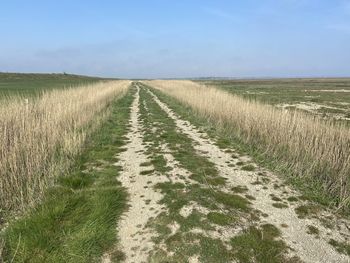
179, 38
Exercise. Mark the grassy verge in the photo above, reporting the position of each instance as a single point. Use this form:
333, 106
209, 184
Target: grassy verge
310, 188
40, 138
76, 222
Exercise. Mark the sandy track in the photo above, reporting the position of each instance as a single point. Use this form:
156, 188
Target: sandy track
134, 236
309, 248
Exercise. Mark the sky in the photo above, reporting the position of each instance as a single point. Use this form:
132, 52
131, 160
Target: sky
177, 39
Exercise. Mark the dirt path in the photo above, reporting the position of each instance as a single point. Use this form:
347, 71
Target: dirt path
135, 239
270, 195
191, 201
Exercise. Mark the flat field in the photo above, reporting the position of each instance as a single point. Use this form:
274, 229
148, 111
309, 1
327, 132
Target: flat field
327, 97
12, 84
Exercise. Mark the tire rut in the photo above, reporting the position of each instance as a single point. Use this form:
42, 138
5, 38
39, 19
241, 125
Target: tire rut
135, 238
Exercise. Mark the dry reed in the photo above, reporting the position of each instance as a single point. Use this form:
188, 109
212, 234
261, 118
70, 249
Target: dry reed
305, 144
39, 137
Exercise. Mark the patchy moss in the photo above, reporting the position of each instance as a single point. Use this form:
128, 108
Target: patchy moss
248, 167
276, 186
341, 247
280, 205
231, 200
257, 182
327, 223
220, 218
239, 189
307, 210
265, 180
145, 164
275, 198
147, 172
292, 199
312, 230
250, 197
185, 245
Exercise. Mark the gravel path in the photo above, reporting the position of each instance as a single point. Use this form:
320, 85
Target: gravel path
269, 198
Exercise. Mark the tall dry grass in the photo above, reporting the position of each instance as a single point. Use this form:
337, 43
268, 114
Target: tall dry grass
307, 145
39, 137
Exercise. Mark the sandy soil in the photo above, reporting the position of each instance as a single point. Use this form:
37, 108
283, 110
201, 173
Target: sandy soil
135, 238
331, 90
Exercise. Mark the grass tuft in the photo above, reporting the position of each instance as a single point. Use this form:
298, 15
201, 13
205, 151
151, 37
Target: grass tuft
312, 230
220, 218
280, 205
304, 211
259, 245
248, 167
340, 247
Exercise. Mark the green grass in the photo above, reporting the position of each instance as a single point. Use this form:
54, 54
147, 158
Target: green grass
13, 84
209, 249
260, 245
239, 189
77, 220
248, 167
312, 230
304, 211
280, 205
275, 198
340, 247
220, 218
292, 199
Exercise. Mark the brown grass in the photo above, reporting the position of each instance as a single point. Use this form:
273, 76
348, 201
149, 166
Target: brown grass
39, 137
307, 145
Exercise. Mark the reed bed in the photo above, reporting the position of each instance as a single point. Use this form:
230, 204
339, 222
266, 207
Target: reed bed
39, 137
304, 144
